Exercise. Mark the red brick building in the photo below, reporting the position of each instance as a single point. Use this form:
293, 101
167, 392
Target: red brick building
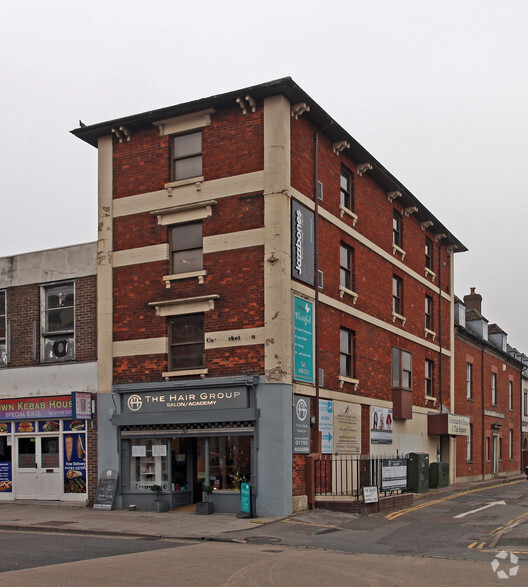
48, 449
489, 392
253, 257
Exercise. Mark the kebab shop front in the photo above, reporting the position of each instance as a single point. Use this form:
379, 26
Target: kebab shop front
43, 447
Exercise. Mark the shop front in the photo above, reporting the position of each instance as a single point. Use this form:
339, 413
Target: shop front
184, 436
43, 447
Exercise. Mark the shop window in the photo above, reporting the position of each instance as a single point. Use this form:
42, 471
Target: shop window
148, 464
469, 380
58, 322
186, 338
187, 156
186, 247
227, 460
347, 188
401, 369
429, 373
3, 328
346, 353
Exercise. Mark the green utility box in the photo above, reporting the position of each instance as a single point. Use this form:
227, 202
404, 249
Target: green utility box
439, 475
418, 472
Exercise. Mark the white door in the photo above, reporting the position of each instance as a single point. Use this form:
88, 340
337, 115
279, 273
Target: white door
37, 472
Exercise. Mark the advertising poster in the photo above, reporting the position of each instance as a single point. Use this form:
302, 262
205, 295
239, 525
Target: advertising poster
380, 425
301, 425
347, 428
6, 480
74, 457
326, 425
303, 340
302, 243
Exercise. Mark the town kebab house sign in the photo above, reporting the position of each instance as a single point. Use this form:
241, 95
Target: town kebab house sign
58, 406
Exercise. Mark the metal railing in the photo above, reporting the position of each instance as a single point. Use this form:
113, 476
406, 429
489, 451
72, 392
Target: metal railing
346, 475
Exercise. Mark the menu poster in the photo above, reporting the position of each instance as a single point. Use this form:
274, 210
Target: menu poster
6, 484
74, 463
5, 427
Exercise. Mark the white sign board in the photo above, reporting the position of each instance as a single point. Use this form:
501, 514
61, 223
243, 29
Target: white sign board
370, 494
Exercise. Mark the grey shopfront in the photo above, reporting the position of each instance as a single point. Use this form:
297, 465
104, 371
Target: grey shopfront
183, 435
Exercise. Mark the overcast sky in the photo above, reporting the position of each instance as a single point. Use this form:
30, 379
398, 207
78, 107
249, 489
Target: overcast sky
436, 91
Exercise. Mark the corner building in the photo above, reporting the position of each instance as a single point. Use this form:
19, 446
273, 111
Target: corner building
267, 290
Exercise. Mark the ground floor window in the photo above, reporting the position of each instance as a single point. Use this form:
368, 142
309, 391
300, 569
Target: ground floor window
148, 463
227, 459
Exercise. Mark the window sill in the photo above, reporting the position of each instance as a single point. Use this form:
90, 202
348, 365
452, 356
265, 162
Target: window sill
199, 274
185, 373
343, 210
397, 249
430, 333
396, 316
430, 398
198, 180
429, 273
469, 399
342, 380
344, 290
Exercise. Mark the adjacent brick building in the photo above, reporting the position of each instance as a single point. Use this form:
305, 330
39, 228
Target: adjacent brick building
488, 382
254, 260
48, 373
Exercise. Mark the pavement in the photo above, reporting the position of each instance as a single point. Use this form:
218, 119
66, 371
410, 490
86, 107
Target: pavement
182, 524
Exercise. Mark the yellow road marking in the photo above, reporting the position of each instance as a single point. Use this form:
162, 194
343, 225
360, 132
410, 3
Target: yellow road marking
472, 544
395, 515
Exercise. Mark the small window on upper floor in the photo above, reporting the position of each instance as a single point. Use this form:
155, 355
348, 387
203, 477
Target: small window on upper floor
58, 322
186, 247
346, 353
510, 395
186, 340
347, 188
397, 238
469, 380
429, 323
428, 253
187, 156
397, 295
429, 377
401, 368
346, 270
494, 389
3, 328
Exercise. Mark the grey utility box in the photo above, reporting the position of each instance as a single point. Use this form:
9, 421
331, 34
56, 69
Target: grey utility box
418, 472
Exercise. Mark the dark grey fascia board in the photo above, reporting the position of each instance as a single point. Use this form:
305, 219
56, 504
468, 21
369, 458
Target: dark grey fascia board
190, 417
241, 380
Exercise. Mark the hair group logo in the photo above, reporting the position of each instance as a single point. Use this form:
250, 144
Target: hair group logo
500, 561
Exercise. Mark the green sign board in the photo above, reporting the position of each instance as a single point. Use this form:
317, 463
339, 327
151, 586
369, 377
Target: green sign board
245, 498
303, 340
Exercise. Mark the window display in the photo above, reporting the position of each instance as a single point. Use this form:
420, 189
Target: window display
148, 464
229, 461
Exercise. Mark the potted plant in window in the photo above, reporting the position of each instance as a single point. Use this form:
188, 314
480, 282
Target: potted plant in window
158, 505
206, 506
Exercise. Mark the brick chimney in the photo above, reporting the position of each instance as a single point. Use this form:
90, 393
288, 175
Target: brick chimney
473, 301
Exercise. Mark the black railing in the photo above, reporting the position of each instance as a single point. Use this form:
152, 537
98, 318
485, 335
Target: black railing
346, 475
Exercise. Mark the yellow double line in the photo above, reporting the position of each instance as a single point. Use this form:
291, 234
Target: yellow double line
394, 515
495, 535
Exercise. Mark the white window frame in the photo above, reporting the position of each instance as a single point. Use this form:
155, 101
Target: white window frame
47, 335
493, 388
469, 380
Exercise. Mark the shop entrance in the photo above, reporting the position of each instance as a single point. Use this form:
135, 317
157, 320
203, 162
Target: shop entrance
37, 468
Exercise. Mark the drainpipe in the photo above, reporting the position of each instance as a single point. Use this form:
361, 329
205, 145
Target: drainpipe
440, 378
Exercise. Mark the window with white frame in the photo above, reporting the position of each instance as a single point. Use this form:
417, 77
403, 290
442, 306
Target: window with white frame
397, 295
401, 369
346, 353
428, 253
469, 444
187, 156
346, 266
429, 373
347, 188
525, 403
469, 380
58, 322
510, 441
186, 247
429, 313
494, 389
3, 328
397, 238
510, 395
